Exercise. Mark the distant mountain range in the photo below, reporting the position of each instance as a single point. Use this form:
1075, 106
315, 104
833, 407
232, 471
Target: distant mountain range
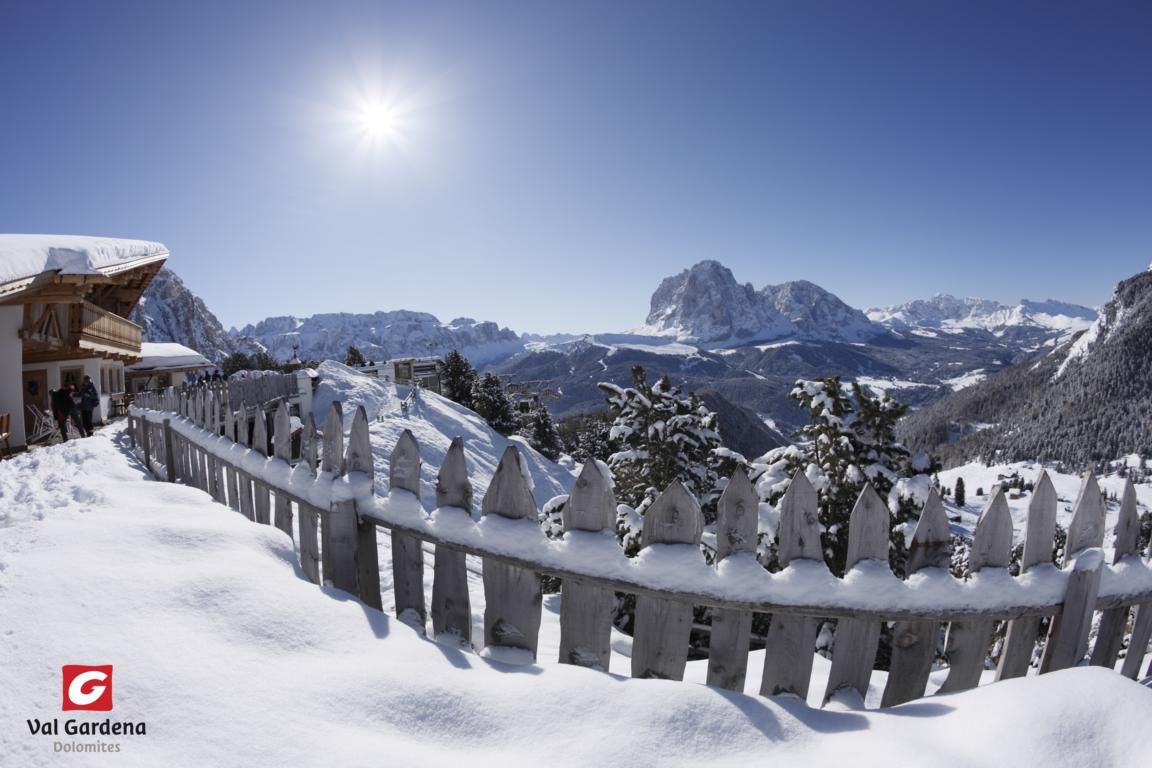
1086, 401
709, 332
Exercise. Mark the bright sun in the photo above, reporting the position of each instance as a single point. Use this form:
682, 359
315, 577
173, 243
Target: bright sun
379, 121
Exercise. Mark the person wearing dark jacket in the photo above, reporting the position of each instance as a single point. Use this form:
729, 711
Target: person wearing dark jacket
89, 400
62, 406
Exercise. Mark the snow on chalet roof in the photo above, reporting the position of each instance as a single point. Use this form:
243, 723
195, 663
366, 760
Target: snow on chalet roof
168, 356
25, 256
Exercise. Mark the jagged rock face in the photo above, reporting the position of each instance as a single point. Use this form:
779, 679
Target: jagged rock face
706, 305
945, 311
169, 311
379, 336
815, 313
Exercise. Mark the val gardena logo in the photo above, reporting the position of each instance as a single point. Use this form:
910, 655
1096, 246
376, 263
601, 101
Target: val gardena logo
86, 688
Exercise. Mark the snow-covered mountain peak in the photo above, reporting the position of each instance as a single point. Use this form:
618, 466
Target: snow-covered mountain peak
170, 312
943, 311
706, 305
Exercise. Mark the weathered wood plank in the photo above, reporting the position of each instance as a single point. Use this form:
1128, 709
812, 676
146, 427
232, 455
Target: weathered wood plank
791, 639
339, 531
1087, 527
854, 651
169, 452
1068, 637
262, 503
914, 642
451, 605
1137, 646
282, 449
513, 595
968, 641
1110, 632
407, 551
332, 462
358, 459
309, 515
1020, 637
585, 609
663, 626
737, 521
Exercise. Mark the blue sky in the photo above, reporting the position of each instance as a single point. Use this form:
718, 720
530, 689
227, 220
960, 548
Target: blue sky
550, 162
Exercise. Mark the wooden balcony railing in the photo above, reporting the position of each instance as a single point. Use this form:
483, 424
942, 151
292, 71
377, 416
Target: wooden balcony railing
90, 327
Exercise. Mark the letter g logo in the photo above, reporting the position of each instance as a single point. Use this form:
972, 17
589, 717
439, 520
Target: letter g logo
87, 687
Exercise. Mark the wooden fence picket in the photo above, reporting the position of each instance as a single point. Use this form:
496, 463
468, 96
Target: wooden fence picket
407, 550
737, 522
261, 503
332, 462
663, 626
914, 642
1020, 637
791, 639
451, 605
1110, 631
854, 651
586, 609
1068, 633
247, 503
968, 640
513, 595
282, 449
358, 459
309, 515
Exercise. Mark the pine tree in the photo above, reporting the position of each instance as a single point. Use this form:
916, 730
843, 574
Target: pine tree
541, 433
657, 437
959, 491
848, 442
457, 377
354, 358
492, 403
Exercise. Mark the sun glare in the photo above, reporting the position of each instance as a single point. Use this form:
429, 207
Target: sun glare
379, 121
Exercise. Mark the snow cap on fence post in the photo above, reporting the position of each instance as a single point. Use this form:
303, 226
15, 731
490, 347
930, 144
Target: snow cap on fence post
509, 494
592, 504
358, 456
932, 543
799, 529
333, 448
674, 518
452, 486
1087, 526
737, 516
404, 465
868, 528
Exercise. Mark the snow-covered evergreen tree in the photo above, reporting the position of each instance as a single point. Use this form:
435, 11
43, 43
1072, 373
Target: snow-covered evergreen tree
457, 377
492, 403
960, 498
541, 433
849, 441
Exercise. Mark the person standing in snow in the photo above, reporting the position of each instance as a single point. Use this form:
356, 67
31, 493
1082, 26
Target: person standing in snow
62, 406
89, 400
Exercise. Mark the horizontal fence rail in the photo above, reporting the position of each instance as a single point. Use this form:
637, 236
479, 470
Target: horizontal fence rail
253, 460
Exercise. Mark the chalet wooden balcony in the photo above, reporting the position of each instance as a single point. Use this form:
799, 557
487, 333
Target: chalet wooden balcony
81, 329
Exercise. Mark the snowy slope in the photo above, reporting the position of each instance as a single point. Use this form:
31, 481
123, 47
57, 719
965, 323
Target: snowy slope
434, 421
231, 658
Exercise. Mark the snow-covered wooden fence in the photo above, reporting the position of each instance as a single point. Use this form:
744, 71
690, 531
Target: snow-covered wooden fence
242, 457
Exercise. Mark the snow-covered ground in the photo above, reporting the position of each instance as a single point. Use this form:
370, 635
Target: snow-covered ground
982, 477
231, 658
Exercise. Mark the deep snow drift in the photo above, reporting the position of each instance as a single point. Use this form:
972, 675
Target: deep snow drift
232, 658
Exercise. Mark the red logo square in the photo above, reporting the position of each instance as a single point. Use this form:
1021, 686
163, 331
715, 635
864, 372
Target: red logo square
87, 687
